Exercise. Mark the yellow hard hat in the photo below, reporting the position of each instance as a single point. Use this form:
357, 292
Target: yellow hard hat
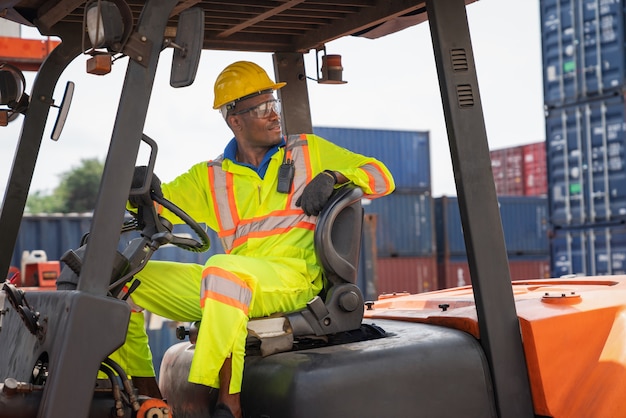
241, 79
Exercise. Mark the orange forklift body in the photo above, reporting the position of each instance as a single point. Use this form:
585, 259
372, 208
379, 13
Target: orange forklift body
574, 333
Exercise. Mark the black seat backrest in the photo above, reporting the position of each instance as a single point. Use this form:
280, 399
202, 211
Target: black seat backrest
338, 235
337, 242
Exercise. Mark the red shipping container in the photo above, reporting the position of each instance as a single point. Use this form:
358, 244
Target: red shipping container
453, 274
406, 274
456, 273
535, 169
526, 269
507, 166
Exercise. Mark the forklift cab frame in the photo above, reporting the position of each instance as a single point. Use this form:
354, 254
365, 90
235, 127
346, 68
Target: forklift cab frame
76, 360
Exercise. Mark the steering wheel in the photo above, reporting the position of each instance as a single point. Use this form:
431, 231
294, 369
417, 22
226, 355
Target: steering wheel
189, 244
155, 232
156, 227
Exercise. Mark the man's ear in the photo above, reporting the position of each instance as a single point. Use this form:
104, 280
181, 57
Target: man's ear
234, 122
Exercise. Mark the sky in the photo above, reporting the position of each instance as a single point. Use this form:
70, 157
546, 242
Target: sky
392, 84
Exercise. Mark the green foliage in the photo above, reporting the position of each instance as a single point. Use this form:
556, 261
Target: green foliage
77, 191
40, 203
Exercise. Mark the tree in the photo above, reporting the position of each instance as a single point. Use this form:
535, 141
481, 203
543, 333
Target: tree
40, 203
77, 191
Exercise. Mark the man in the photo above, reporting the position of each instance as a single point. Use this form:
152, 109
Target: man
262, 196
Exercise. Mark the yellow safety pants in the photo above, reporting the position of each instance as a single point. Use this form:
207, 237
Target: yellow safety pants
191, 292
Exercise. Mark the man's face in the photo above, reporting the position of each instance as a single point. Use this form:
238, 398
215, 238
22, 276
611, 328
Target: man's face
258, 120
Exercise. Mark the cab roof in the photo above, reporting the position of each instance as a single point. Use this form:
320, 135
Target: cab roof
251, 25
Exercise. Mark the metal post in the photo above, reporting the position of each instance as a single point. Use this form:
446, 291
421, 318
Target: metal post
484, 239
122, 155
96, 324
296, 114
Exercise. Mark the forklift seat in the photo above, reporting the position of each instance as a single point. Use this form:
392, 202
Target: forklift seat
340, 306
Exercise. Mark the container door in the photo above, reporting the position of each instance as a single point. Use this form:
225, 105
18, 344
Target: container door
586, 170
583, 49
589, 251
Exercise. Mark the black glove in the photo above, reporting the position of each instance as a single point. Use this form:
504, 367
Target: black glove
316, 193
138, 178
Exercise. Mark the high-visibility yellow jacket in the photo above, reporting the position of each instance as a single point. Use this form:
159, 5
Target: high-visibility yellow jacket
247, 212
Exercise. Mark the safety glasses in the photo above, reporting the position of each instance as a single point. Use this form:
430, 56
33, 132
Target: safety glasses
263, 110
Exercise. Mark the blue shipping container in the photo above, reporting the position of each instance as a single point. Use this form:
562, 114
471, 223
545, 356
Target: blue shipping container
585, 158
55, 234
583, 49
405, 153
404, 224
524, 223
589, 251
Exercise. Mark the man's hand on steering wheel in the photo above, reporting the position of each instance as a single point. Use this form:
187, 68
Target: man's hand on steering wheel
139, 179
143, 197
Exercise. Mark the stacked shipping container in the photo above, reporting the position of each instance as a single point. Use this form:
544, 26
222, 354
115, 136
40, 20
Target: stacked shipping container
591, 250
584, 59
405, 257
520, 170
508, 171
525, 226
582, 50
405, 242
586, 162
535, 169
405, 153
55, 234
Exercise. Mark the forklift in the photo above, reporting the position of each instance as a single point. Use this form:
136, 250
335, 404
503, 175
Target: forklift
536, 348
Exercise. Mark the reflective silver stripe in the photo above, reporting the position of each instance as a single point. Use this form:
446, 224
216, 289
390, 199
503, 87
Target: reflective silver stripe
272, 222
227, 221
228, 235
227, 288
228, 242
380, 186
216, 162
295, 144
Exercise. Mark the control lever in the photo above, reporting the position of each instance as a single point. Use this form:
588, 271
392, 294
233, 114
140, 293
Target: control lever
17, 298
3, 310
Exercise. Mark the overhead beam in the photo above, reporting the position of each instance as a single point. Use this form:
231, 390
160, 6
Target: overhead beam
51, 13
367, 18
259, 18
182, 6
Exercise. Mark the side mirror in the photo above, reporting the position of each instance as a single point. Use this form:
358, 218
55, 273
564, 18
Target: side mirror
64, 109
187, 47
